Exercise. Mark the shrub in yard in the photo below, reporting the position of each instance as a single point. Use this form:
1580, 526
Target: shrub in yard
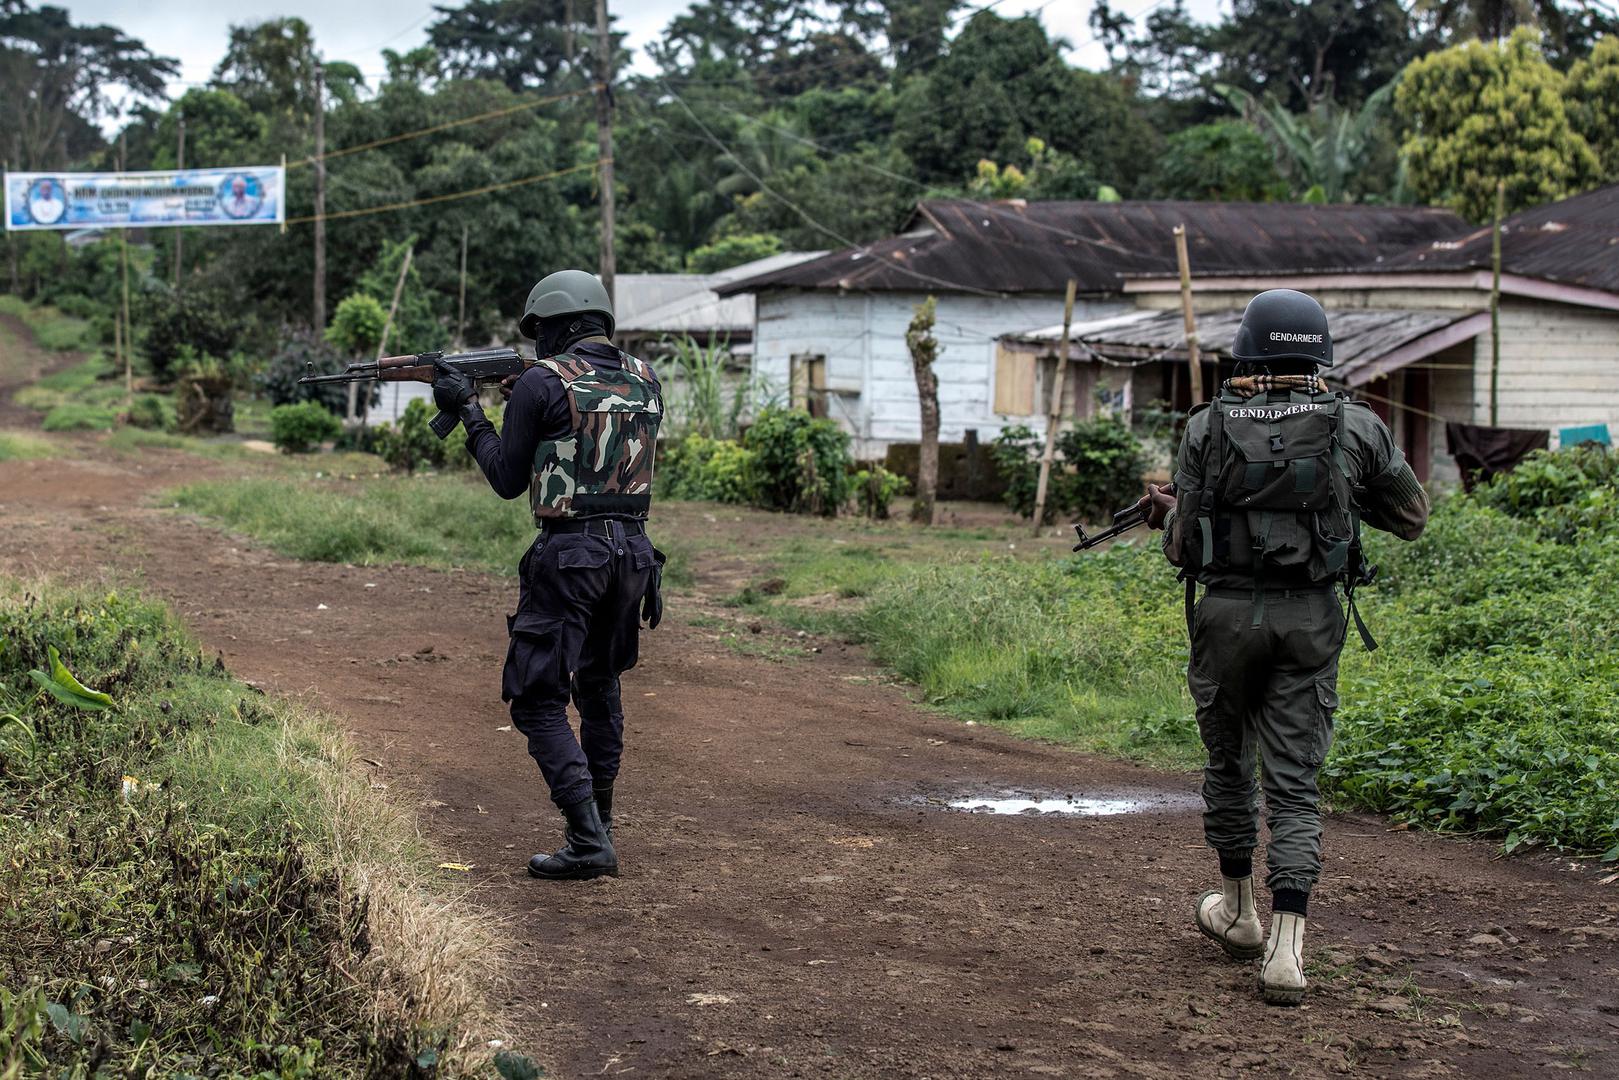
202, 320
799, 464
297, 429
76, 417
1096, 469
298, 348
152, 411
875, 489
410, 444
701, 468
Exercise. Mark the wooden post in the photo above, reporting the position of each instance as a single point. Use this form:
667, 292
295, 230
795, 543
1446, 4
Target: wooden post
179, 234
388, 324
604, 140
319, 314
461, 316
129, 331
1194, 362
1495, 305
1054, 413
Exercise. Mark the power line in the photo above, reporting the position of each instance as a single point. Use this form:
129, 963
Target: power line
485, 190
446, 126
811, 220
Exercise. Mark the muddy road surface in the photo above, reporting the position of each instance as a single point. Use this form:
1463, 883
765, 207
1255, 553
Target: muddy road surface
797, 898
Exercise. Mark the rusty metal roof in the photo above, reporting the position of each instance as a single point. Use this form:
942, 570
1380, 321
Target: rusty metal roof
1016, 247
1365, 343
1572, 242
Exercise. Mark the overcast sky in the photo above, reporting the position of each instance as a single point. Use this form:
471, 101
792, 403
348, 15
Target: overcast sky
358, 30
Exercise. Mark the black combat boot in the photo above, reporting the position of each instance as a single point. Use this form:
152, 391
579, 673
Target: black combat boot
586, 852
604, 805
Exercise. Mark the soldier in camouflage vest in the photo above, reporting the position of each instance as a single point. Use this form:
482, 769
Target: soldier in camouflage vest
579, 437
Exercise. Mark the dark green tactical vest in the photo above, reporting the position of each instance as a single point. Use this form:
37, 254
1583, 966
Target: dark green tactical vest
604, 466
1276, 503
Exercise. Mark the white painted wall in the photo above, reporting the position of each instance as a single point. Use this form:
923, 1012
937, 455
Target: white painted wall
862, 336
1559, 367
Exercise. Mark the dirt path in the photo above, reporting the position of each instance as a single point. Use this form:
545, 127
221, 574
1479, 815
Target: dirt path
796, 903
22, 363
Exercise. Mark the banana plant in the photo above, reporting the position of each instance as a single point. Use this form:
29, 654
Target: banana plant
1323, 148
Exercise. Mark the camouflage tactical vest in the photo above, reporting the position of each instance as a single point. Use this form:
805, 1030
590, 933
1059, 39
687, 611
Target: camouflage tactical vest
604, 466
1276, 502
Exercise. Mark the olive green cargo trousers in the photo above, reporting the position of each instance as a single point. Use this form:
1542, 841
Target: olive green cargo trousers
1266, 692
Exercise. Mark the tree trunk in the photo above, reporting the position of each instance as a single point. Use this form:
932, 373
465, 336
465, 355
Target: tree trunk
924, 349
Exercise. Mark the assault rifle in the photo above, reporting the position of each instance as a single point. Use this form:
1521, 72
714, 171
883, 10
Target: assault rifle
1123, 521
485, 366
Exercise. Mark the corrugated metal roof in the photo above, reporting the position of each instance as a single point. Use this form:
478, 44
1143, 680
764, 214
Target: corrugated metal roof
1572, 242
1360, 338
687, 303
1014, 247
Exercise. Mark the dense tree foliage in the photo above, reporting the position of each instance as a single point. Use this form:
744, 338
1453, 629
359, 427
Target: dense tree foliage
1482, 113
771, 125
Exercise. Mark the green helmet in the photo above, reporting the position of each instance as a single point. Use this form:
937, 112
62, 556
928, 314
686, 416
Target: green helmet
566, 292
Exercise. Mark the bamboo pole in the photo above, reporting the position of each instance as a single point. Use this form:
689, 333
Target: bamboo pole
1054, 412
129, 331
1495, 305
1194, 362
388, 325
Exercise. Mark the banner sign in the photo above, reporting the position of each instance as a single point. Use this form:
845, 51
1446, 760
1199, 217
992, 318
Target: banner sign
247, 196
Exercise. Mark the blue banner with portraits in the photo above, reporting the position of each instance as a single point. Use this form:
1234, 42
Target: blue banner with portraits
253, 195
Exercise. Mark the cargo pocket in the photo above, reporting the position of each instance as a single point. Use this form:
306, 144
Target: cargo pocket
1212, 724
1326, 702
591, 554
534, 664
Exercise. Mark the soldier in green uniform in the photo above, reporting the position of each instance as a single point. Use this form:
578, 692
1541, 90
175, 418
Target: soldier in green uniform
1273, 481
580, 432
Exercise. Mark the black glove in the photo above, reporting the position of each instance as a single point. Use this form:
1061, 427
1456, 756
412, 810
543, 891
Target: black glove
452, 390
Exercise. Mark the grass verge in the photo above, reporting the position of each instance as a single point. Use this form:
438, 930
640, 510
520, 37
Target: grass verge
199, 881
1489, 708
434, 520
50, 327
17, 445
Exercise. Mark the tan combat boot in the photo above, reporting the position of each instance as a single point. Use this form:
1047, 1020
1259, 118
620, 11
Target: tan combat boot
1281, 976
1227, 915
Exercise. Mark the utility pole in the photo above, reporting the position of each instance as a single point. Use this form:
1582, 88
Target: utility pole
1194, 362
320, 200
179, 163
1495, 305
1054, 413
461, 316
604, 139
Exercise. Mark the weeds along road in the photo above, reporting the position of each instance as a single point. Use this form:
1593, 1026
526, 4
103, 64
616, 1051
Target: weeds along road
796, 903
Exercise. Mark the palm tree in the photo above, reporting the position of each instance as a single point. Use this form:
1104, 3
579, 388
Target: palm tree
1322, 149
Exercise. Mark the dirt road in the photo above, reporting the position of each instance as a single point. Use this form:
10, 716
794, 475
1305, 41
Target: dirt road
797, 902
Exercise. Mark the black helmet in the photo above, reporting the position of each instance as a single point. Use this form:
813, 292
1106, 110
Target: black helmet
566, 292
1283, 324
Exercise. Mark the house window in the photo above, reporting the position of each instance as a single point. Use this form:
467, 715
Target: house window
1014, 382
808, 379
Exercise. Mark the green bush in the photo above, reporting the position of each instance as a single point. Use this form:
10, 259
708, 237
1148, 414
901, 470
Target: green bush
297, 429
75, 417
1097, 468
701, 468
875, 489
191, 321
153, 412
299, 348
799, 464
410, 444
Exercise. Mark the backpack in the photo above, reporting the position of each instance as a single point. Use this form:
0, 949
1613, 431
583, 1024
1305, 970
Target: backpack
1277, 503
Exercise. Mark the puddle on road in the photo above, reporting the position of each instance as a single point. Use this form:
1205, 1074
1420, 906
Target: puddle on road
1081, 807
1038, 804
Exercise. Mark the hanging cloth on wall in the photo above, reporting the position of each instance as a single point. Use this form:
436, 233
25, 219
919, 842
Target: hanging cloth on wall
1482, 452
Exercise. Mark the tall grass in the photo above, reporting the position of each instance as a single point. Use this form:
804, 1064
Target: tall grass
430, 520
199, 880
697, 400
18, 445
